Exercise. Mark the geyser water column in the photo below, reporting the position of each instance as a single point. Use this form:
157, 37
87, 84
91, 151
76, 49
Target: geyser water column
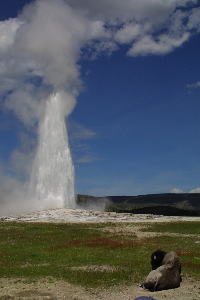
52, 179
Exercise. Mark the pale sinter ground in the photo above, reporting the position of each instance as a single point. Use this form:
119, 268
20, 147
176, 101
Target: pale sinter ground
49, 288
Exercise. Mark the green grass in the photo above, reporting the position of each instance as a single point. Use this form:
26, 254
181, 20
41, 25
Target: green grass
175, 227
90, 255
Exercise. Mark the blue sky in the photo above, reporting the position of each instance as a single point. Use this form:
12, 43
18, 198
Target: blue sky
135, 127
146, 122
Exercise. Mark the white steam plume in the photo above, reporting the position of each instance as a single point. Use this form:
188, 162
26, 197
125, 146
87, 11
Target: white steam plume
41, 48
39, 69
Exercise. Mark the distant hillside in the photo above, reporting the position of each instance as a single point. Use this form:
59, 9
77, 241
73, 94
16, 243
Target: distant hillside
187, 204
170, 198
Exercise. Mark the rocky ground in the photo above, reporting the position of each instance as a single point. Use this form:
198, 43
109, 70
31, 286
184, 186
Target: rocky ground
62, 215
48, 288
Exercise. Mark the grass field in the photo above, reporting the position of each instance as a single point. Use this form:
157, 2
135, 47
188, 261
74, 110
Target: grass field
90, 254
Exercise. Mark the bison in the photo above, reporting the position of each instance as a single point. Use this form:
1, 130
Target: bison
166, 275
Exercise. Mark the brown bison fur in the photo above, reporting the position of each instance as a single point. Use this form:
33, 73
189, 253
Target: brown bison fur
158, 259
167, 276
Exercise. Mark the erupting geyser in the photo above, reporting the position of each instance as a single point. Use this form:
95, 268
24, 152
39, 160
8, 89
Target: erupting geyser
52, 179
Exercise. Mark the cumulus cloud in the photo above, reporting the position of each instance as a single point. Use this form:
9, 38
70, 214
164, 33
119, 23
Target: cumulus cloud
194, 17
128, 33
197, 190
162, 45
148, 27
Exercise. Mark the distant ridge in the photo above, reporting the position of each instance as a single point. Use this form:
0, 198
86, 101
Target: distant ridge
168, 204
165, 198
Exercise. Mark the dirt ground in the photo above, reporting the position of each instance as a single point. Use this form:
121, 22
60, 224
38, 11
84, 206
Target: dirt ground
59, 290
49, 288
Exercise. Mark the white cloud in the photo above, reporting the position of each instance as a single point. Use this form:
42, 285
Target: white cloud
98, 31
95, 49
194, 19
128, 33
162, 45
179, 191
140, 23
197, 190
